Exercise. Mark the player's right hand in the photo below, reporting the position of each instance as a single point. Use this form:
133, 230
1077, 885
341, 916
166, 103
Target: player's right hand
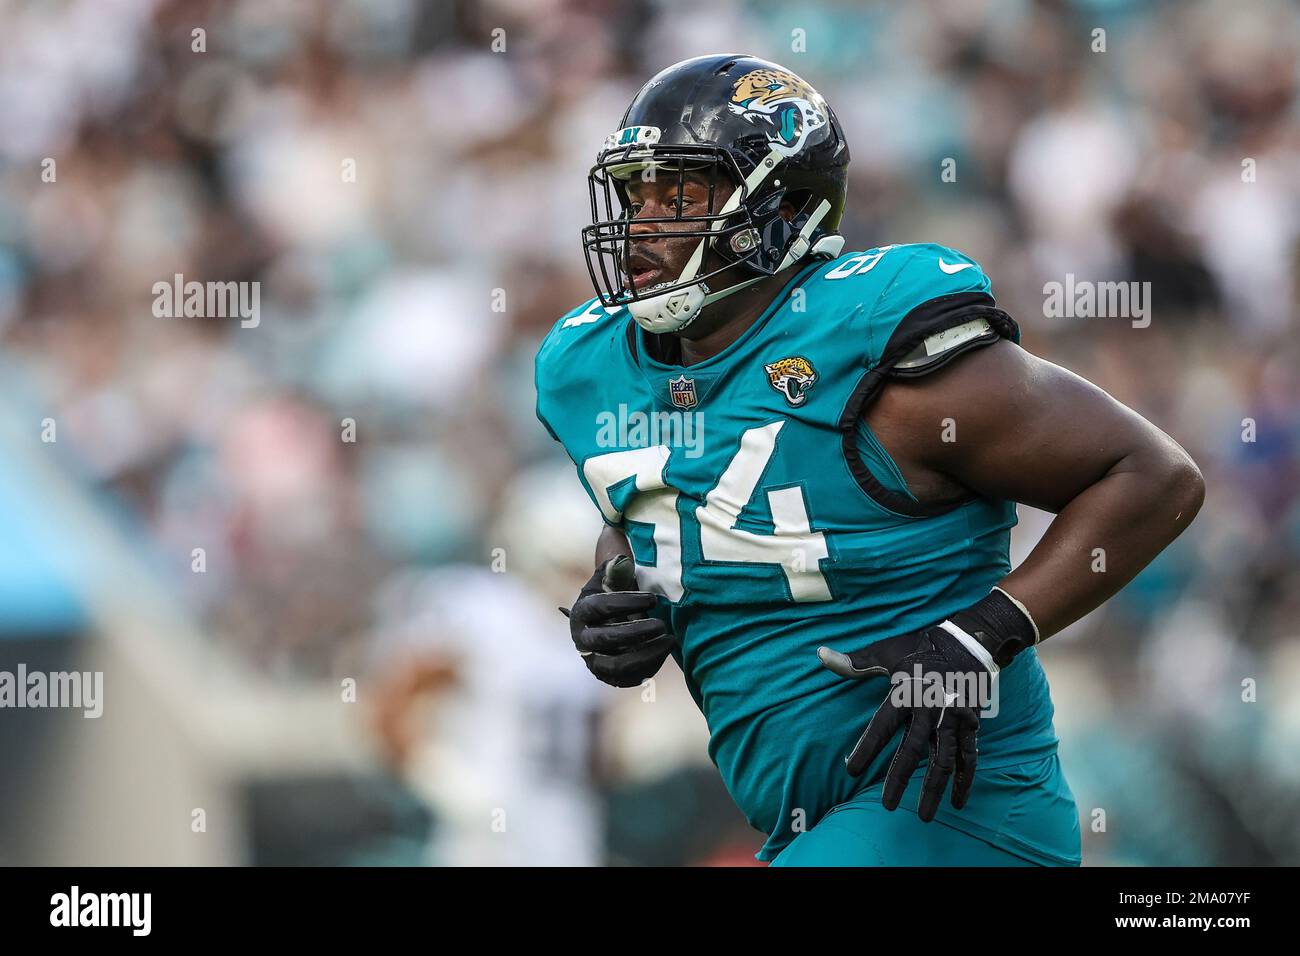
610, 627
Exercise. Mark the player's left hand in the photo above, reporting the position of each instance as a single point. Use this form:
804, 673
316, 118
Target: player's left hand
940, 677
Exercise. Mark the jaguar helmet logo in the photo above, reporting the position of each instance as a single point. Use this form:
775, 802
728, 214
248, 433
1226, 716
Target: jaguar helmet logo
788, 107
792, 377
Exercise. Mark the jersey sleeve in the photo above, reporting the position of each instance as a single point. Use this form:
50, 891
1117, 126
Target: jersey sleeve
934, 304
938, 305
571, 363
556, 367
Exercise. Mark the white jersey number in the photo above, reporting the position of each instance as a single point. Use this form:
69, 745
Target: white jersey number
794, 546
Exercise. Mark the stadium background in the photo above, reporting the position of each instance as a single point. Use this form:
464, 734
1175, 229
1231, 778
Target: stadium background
418, 566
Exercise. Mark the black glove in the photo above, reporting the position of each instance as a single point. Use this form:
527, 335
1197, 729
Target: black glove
620, 644
957, 660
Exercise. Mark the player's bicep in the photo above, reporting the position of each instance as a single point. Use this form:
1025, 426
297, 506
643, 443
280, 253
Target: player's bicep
1006, 424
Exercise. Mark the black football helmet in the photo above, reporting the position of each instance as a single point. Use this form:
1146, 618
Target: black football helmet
755, 123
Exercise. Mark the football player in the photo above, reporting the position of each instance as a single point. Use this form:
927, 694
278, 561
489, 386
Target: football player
493, 724
828, 551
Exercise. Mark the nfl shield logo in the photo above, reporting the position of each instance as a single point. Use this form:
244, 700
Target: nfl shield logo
682, 391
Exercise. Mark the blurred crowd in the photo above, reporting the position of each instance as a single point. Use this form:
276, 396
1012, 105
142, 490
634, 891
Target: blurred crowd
406, 181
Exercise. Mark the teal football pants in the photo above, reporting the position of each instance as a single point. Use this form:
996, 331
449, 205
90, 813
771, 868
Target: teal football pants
1016, 816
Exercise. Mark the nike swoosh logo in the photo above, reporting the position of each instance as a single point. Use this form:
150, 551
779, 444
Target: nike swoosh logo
957, 268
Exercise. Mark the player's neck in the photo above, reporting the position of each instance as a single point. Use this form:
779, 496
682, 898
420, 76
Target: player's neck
735, 315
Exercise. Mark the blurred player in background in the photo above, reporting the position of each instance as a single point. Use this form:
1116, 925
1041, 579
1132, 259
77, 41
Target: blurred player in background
829, 498
490, 720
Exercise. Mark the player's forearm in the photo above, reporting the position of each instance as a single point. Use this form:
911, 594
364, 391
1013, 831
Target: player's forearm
611, 543
1106, 535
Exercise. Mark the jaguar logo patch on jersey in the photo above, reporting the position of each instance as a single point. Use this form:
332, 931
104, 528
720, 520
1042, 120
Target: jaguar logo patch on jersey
682, 391
789, 107
792, 377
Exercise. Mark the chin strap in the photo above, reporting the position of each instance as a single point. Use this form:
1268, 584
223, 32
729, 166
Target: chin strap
802, 242
715, 296
828, 246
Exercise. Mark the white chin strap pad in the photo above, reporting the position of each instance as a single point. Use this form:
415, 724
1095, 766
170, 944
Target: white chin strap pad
669, 311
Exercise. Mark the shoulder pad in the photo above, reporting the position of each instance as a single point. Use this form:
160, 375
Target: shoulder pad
573, 355
578, 329
925, 271
922, 304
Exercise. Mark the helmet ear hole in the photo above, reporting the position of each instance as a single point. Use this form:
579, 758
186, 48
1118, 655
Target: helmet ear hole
798, 200
770, 205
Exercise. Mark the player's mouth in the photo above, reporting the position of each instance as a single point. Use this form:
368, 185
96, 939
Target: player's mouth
643, 271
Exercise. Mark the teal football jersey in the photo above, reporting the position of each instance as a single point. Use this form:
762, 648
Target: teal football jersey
770, 521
